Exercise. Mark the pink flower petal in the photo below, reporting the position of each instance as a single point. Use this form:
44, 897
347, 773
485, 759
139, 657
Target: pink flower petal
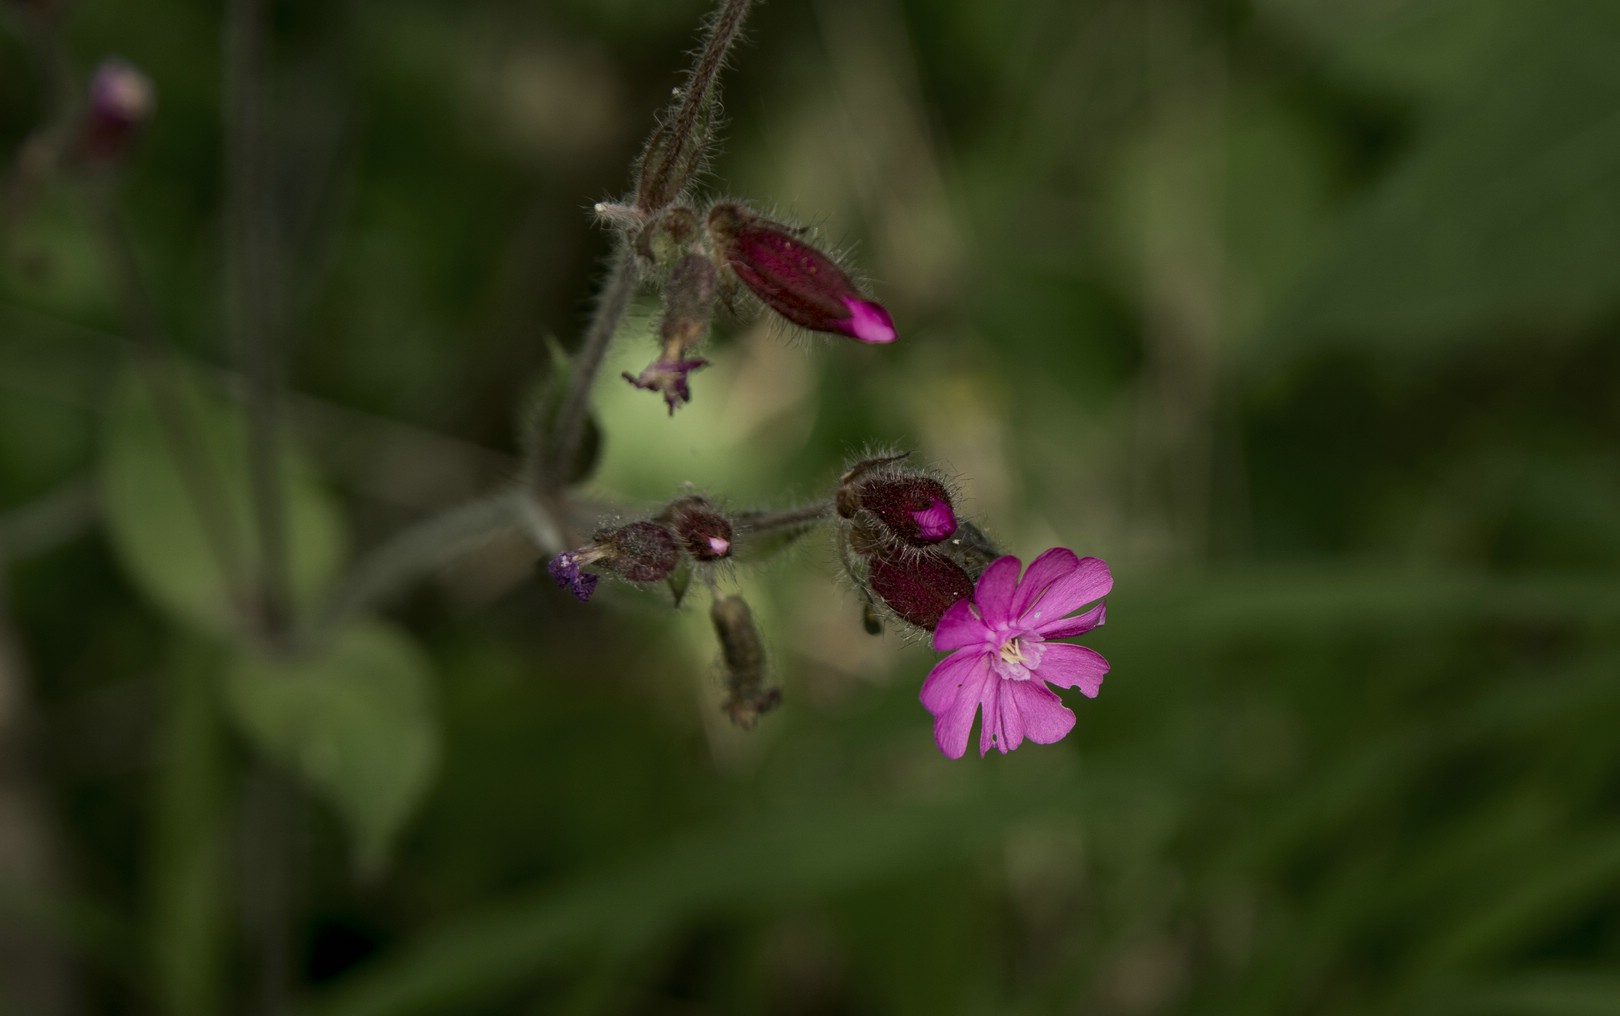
959, 627
1090, 580
1044, 717
869, 322
1051, 566
953, 724
1071, 666
940, 689
1068, 627
994, 594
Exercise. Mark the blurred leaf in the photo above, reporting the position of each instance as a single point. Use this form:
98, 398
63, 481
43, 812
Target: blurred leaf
159, 530
1536, 993
765, 861
356, 720
1506, 212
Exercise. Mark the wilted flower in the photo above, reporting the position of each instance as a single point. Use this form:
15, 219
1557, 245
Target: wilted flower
795, 279
1003, 659
638, 552
668, 377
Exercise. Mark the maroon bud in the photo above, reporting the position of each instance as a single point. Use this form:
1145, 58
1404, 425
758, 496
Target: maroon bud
700, 528
919, 586
121, 101
795, 279
639, 552
913, 507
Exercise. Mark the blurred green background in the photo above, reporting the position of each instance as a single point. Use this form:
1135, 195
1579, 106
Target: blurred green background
1301, 314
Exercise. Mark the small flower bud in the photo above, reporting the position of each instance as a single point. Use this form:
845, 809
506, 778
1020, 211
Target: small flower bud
913, 507
121, 101
919, 586
699, 527
795, 279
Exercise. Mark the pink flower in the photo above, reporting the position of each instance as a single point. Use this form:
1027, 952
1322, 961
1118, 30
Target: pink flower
1003, 660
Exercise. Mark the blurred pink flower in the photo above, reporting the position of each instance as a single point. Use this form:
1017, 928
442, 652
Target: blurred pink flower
1003, 660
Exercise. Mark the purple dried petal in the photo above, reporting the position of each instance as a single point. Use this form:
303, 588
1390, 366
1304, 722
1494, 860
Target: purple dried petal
668, 377
565, 568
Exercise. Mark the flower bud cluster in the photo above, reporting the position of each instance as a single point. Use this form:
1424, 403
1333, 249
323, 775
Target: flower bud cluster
703, 259
902, 543
688, 529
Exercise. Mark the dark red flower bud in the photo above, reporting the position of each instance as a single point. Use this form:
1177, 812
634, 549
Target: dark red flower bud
700, 528
913, 507
919, 586
795, 279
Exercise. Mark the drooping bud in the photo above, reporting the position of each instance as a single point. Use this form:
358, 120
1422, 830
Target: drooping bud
795, 279
638, 552
911, 506
688, 308
699, 527
919, 586
743, 653
121, 101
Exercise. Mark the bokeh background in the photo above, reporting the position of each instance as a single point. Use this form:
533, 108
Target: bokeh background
1301, 314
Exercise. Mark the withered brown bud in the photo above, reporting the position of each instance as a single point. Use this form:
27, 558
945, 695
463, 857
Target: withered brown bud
638, 552
743, 652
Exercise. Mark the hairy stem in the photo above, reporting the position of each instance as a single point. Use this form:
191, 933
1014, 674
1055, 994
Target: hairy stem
413, 553
766, 523
611, 306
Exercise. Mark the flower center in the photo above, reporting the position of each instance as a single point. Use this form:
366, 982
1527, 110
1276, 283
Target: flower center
1018, 657
1012, 651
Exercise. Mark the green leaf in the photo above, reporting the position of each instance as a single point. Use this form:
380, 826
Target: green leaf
355, 721
174, 484
1503, 213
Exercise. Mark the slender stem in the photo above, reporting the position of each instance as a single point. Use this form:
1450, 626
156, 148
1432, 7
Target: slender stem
723, 32
764, 523
160, 370
611, 307
412, 553
251, 287
678, 144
